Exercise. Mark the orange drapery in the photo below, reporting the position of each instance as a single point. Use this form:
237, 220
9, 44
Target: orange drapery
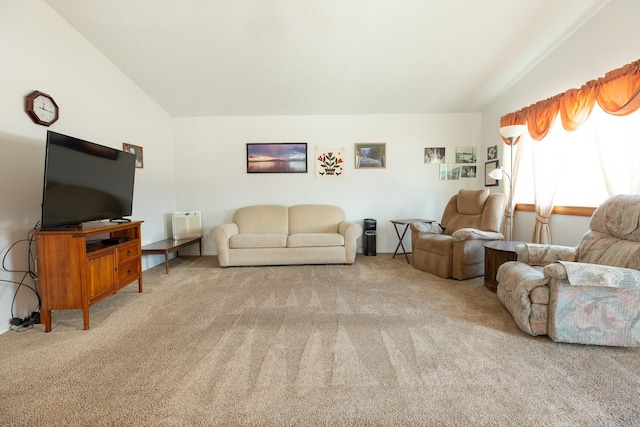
618, 93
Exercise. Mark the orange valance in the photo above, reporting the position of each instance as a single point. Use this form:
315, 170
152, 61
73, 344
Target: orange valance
618, 93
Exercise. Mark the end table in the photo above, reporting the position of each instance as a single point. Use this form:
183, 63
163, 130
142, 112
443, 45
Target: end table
496, 254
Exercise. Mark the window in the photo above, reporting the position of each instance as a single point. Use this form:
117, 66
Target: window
601, 158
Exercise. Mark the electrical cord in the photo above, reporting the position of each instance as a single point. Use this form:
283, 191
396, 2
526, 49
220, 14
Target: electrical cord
26, 323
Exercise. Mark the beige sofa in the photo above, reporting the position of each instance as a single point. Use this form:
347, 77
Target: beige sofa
281, 235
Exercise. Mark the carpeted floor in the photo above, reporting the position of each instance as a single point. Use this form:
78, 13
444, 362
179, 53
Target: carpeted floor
377, 343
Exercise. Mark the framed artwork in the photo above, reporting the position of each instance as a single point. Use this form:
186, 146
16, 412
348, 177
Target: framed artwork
466, 154
434, 155
492, 153
281, 157
134, 149
329, 163
449, 171
488, 167
371, 155
467, 171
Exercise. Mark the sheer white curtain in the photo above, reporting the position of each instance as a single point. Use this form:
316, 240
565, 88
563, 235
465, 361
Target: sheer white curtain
548, 156
618, 142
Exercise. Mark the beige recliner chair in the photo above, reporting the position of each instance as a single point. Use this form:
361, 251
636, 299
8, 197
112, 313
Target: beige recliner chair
587, 294
470, 219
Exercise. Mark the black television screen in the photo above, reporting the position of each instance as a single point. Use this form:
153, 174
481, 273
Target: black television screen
84, 181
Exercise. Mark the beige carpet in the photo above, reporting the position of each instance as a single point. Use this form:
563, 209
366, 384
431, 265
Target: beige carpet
373, 344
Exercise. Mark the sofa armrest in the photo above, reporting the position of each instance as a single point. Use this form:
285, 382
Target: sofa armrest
593, 275
221, 235
537, 254
475, 234
348, 228
351, 231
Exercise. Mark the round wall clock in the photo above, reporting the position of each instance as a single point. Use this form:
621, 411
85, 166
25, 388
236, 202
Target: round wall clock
41, 107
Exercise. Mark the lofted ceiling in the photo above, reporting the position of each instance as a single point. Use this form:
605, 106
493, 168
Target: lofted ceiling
292, 57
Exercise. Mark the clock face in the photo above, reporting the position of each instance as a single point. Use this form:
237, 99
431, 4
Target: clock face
41, 107
44, 108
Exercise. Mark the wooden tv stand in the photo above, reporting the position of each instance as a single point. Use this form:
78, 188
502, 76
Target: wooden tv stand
76, 270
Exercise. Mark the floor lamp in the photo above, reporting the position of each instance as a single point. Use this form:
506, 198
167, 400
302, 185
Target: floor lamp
510, 132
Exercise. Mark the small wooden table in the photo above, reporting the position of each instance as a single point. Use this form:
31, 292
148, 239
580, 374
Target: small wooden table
169, 246
495, 254
406, 223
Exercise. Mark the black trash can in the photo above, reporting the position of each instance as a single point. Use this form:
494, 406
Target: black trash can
369, 237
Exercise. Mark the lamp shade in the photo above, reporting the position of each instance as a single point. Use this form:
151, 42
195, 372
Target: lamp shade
496, 174
512, 131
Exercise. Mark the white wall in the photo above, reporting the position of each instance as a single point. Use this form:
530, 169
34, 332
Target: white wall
211, 172
606, 42
40, 51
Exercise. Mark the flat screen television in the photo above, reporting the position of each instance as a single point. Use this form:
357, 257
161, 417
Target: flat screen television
85, 181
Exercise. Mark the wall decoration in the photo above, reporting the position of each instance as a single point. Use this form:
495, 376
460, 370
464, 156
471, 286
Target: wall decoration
488, 167
433, 155
467, 171
41, 107
134, 149
449, 171
492, 153
329, 163
281, 157
466, 154
371, 155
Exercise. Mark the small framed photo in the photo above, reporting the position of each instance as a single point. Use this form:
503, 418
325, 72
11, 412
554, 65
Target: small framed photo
371, 155
488, 167
434, 155
449, 171
466, 154
467, 171
492, 152
280, 157
134, 149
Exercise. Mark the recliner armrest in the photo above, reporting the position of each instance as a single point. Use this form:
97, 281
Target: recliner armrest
538, 254
475, 234
594, 275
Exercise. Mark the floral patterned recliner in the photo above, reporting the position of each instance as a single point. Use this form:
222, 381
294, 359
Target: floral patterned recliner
587, 294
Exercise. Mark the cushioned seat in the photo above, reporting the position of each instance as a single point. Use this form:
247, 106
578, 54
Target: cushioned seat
470, 219
587, 294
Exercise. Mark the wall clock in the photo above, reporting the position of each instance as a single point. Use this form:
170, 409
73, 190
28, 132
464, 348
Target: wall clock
41, 107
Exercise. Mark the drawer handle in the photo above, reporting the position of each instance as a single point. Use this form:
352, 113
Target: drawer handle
128, 252
129, 272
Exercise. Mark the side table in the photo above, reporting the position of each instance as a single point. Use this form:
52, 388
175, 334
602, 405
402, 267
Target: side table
406, 223
496, 254
169, 246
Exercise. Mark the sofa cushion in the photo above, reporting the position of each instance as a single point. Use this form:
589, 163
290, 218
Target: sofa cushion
267, 219
301, 240
315, 219
258, 240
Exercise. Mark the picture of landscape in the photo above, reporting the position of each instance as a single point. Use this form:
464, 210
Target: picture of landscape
466, 155
284, 157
